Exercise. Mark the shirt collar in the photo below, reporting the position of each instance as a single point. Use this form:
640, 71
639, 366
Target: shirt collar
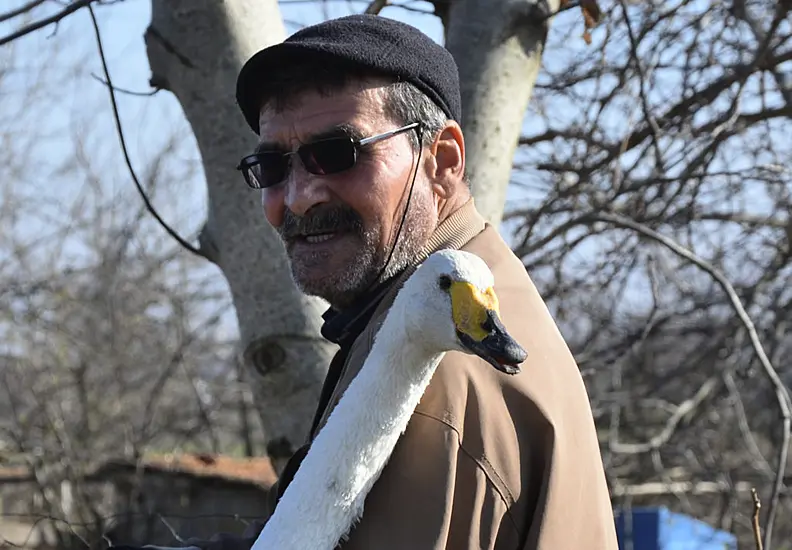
342, 327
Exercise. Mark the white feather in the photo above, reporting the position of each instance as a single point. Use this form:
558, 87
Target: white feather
326, 496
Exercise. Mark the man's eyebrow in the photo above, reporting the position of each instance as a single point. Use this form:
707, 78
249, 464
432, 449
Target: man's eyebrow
339, 130
267, 146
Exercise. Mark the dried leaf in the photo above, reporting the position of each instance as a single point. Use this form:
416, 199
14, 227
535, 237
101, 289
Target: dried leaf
591, 13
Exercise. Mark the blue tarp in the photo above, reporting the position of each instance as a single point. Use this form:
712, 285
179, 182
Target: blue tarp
658, 528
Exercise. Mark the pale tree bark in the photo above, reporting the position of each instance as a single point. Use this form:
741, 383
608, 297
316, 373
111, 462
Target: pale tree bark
195, 49
498, 48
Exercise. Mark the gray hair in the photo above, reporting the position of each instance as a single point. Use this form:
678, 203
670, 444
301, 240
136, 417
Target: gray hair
405, 104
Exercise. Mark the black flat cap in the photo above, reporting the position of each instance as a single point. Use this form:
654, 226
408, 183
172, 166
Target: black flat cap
383, 45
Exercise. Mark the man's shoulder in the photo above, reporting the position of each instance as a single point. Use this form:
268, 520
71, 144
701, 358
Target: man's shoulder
498, 414
509, 271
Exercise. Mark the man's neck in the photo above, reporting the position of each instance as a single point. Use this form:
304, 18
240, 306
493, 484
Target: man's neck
447, 207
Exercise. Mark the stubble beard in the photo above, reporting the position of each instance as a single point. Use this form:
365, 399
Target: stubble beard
344, 286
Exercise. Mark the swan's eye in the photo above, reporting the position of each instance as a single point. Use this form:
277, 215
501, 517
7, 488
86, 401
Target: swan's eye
488, 325
444, 282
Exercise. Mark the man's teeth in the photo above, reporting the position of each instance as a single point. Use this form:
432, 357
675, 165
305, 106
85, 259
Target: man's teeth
319, 238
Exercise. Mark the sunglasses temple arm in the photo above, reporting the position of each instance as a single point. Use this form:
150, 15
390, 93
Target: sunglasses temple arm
389, 134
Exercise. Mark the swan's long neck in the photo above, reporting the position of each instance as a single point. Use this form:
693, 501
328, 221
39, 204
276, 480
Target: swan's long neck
347, 456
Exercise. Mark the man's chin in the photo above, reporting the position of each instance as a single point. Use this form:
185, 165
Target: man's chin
339, 287
338, 298
336, 269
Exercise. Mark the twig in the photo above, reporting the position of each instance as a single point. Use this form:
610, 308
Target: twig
55, 18
128, 514
409, 8
376, 6
782, 395
742, 421
683, 410
171, 529
757, 530
20, 10
649, 117
117, 118
123, 91
661, 488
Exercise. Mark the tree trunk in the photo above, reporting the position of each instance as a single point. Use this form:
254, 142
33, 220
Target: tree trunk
498, 47
195, 50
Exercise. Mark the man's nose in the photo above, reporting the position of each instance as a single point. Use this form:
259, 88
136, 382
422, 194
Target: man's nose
305, 190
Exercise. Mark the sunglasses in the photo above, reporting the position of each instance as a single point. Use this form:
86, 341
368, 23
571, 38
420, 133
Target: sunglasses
322, 157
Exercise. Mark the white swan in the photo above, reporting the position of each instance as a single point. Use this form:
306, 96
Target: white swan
447, 304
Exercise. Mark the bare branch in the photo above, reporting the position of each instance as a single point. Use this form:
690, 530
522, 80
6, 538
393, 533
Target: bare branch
659, 488
756, 527
24, 8
376, 6
150, 207
782, 395
742, 419
683, 410
123, 91
170, 528
55, 18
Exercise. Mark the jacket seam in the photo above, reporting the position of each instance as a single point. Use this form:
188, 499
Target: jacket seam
487, 468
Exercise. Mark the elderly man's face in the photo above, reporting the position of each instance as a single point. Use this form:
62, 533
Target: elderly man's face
339, 229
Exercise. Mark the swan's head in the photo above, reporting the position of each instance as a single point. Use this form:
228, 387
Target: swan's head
451, 305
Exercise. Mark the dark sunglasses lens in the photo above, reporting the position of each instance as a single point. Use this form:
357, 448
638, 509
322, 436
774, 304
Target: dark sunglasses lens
328, 156
268, 169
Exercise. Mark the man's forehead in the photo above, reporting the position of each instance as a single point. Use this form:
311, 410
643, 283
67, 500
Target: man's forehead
300, 126
281, 141
315, 115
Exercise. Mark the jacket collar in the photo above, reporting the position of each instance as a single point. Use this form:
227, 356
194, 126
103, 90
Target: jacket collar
343, 327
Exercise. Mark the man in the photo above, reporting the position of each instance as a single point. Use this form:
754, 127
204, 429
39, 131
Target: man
361, 163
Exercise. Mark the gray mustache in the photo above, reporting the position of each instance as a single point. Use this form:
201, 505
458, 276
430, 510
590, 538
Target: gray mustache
321, 219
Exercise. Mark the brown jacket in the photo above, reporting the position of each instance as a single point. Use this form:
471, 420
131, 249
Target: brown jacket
490, 461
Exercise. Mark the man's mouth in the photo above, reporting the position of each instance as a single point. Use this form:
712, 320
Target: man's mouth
318, 238
324, 238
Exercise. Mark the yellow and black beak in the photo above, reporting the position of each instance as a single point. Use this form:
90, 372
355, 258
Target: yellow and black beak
480, 329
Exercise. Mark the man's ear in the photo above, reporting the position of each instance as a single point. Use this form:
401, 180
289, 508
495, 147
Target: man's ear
447, 161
